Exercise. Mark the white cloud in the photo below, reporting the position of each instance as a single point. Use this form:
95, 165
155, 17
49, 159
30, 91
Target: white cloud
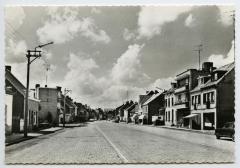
126, 69
80, 77
110, 90
189, 22
128, 35
65, 25
225, 12
163, 83
152, 18
220, 60
16, 51
14, 16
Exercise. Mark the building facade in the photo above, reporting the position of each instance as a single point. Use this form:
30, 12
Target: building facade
170, 111
14, 103
50, 102
152, 105
212, 100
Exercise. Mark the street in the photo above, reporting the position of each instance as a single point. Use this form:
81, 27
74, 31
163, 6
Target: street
107, 142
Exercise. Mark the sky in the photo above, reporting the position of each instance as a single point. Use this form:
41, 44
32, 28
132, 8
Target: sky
107, 55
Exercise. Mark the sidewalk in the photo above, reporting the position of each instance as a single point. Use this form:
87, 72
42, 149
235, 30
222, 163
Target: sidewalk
19, 137
209, 132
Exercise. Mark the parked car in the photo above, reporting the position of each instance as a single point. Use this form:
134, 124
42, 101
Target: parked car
116, 120
157, 120
226, 131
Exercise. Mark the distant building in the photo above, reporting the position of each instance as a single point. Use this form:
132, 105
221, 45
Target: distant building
152, 105
129, 111
142, 99
212, 100
82, 113
170, 111
50, 102
122, 108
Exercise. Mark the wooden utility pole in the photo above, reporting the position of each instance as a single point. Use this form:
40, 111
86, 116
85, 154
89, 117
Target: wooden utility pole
199, 49
233, 17
30, 54
48, 67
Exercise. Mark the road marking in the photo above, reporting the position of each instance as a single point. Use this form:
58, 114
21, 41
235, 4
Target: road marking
114, 147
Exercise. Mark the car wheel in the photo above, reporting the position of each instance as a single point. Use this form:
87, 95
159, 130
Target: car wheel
217, 136
233, 138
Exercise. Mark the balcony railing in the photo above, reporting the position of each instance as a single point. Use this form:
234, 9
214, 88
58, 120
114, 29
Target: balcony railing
182, 89
181, 101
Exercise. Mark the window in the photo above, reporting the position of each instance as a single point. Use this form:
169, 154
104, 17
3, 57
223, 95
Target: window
212, 97
172, 115
166, 116
208, 97
192, 100
172, 101
204, 98
179, 97
199, 99
169, 116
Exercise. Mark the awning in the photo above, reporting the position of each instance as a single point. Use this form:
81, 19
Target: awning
191, 115
142, 117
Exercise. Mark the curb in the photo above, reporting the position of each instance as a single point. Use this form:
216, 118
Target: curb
172, 128
30, 137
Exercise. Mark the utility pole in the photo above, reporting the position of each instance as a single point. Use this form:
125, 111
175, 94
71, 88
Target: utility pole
233, 17
234, 30
48, 67
199, 55
66, 91
30, 54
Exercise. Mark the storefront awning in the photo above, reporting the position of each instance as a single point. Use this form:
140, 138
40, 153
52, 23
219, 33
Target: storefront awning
191, 115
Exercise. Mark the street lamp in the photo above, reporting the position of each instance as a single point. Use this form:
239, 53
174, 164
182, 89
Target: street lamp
30, 54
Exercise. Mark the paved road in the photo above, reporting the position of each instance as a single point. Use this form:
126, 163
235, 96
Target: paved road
106, 142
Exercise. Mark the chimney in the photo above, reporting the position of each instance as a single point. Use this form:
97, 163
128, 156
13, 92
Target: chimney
206, 66
37, 85
173, 85
59, 88
8, 67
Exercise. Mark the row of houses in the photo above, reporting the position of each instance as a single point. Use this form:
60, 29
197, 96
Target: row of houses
46, 106
197, 99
